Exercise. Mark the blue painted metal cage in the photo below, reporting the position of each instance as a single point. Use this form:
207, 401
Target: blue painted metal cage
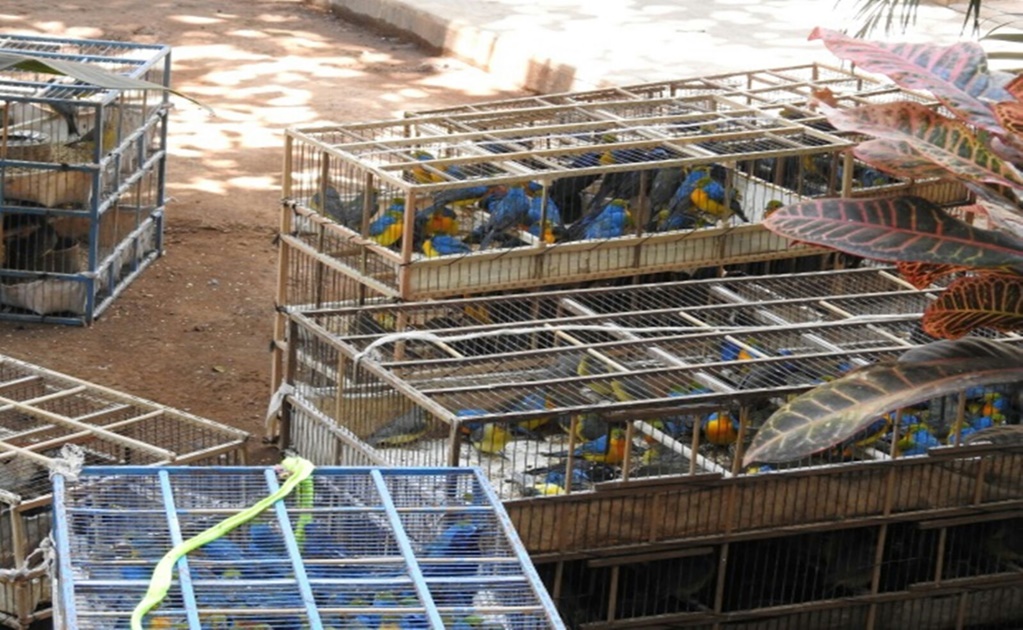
378, 548
82, 177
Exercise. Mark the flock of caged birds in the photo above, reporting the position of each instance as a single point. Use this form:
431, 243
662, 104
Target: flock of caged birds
601, 446
679, 199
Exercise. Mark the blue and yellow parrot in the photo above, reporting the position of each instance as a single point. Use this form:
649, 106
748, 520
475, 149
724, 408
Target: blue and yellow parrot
440, 220
347, 214
444, 245
507, 210
589, 426
491, 438
720, 428
567, 191
917, 439
405, 429
533, 401
709, 197
424, 175
388, 227
590, 366
613, 221
609, 448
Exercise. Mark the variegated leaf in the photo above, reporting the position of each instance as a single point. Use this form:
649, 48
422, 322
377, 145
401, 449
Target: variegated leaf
926, 134
895, 228
922, 275
835, 411
989, 300
1010, 116
1015, 87
1002, 208
898, 158
956, 75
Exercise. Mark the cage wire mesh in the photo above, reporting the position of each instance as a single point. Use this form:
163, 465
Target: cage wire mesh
366, 547
450, 204
41, 413
660, 379
82, 171
791, 93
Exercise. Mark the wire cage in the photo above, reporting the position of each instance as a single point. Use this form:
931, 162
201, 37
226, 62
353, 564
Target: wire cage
82, 171
612, 422
792, 93
454, 204
357, 548
43, 413
517, 384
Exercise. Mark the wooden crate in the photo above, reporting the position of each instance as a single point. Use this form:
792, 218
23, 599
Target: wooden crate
370, 165
44, 414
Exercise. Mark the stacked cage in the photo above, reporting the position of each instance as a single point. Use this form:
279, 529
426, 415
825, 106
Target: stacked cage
795, 93
349, 548
517, 194
48, 421
613, 422
82, 174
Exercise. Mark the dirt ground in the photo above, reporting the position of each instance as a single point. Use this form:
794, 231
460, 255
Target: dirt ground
193, 331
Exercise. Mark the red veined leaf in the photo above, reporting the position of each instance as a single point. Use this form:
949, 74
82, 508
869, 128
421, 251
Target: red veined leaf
897, 158
1002, 208
895, 228
1015, 87
837, 410
989, 300
927, 135
922, 275
1010, 115
956, 75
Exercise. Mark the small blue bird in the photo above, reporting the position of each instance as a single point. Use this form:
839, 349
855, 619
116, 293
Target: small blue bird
612, 222
444, 245
506, 211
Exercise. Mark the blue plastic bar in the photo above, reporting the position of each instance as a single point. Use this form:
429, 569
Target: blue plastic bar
61, 529
418, 579
520, 551
184, 576
315, 623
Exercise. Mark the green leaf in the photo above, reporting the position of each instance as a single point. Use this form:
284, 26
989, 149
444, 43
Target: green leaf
835, 411
989, 300
87, 74
916, 135
957, 75
895, 229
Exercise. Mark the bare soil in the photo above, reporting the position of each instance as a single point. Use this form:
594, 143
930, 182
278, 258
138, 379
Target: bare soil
193, 331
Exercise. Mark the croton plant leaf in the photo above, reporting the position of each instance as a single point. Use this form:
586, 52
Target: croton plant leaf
922, 275
987, 300
957, 75
835, 411
896, 228
916, 134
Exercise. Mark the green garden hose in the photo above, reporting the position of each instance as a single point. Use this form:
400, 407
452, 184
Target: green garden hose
298, 470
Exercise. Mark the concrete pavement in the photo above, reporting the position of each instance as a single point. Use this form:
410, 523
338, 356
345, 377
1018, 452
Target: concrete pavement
567, 45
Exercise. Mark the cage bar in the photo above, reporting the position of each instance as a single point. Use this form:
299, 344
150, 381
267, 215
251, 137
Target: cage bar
363, 547
44, 412
82, 171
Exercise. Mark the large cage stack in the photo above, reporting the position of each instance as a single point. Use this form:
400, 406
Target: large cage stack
82, 171
49, 419
351, 190
352, 548
613, 422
